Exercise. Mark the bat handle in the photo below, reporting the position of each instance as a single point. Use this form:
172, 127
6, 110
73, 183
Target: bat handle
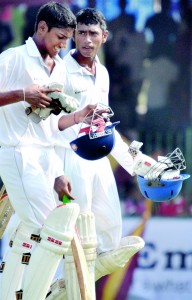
65, 199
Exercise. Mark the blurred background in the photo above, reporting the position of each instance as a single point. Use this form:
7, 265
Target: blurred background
148, 56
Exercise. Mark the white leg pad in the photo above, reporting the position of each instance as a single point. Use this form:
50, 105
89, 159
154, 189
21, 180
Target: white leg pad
87, 234
109, 262
106, 263
88, 237
56, 236
15, 262
71, 280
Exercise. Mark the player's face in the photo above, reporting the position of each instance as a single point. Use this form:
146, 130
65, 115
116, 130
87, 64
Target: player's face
51, 42
56, 39
88, 39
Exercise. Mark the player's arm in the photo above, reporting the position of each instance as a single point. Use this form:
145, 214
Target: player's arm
137, 163
11, 97
121, 154
165, 167
77, 117
32, 94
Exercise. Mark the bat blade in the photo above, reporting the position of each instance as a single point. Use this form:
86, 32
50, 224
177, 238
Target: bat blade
6, 211
81, 269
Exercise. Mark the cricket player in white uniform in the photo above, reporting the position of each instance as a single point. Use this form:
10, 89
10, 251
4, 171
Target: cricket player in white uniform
29, 167
93, 182
94, 186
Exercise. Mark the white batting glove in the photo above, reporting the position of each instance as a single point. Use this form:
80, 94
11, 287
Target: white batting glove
165, 169
134, 148
141, 162
148, 167
151, 169
63, 101
60, 102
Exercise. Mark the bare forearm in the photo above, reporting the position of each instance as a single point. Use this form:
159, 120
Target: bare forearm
11, 97
78, 116
68, 120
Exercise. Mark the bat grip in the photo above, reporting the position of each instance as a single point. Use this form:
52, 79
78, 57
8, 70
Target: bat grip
65, 199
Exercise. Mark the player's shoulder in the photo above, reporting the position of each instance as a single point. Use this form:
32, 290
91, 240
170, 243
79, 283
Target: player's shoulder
12, 51
12, 55
102, 70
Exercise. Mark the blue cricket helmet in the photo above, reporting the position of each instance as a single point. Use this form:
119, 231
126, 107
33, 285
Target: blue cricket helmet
161, 190
95, 145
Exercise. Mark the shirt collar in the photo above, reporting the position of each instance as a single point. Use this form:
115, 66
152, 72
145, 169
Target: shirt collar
34, 51
72, 65
32, 48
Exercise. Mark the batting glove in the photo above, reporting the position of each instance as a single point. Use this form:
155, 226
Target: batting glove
60, 101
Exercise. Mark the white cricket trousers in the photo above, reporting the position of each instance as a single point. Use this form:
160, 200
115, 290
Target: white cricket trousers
28, 173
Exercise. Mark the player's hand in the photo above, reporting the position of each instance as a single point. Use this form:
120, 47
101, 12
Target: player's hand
89, 112
62, 187
38, 96
48, 99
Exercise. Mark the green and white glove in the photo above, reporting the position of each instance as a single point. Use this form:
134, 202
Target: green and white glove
60, 102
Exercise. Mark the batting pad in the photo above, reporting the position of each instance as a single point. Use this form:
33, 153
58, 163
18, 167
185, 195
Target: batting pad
6, 211
56, 235
106, 263
16, 261
109, 262
87, 235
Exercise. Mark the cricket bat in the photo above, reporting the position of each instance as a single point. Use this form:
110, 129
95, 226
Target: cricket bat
80, 265
6, 210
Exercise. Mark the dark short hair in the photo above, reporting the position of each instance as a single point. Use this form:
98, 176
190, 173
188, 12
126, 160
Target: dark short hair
89, 16
55, 15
